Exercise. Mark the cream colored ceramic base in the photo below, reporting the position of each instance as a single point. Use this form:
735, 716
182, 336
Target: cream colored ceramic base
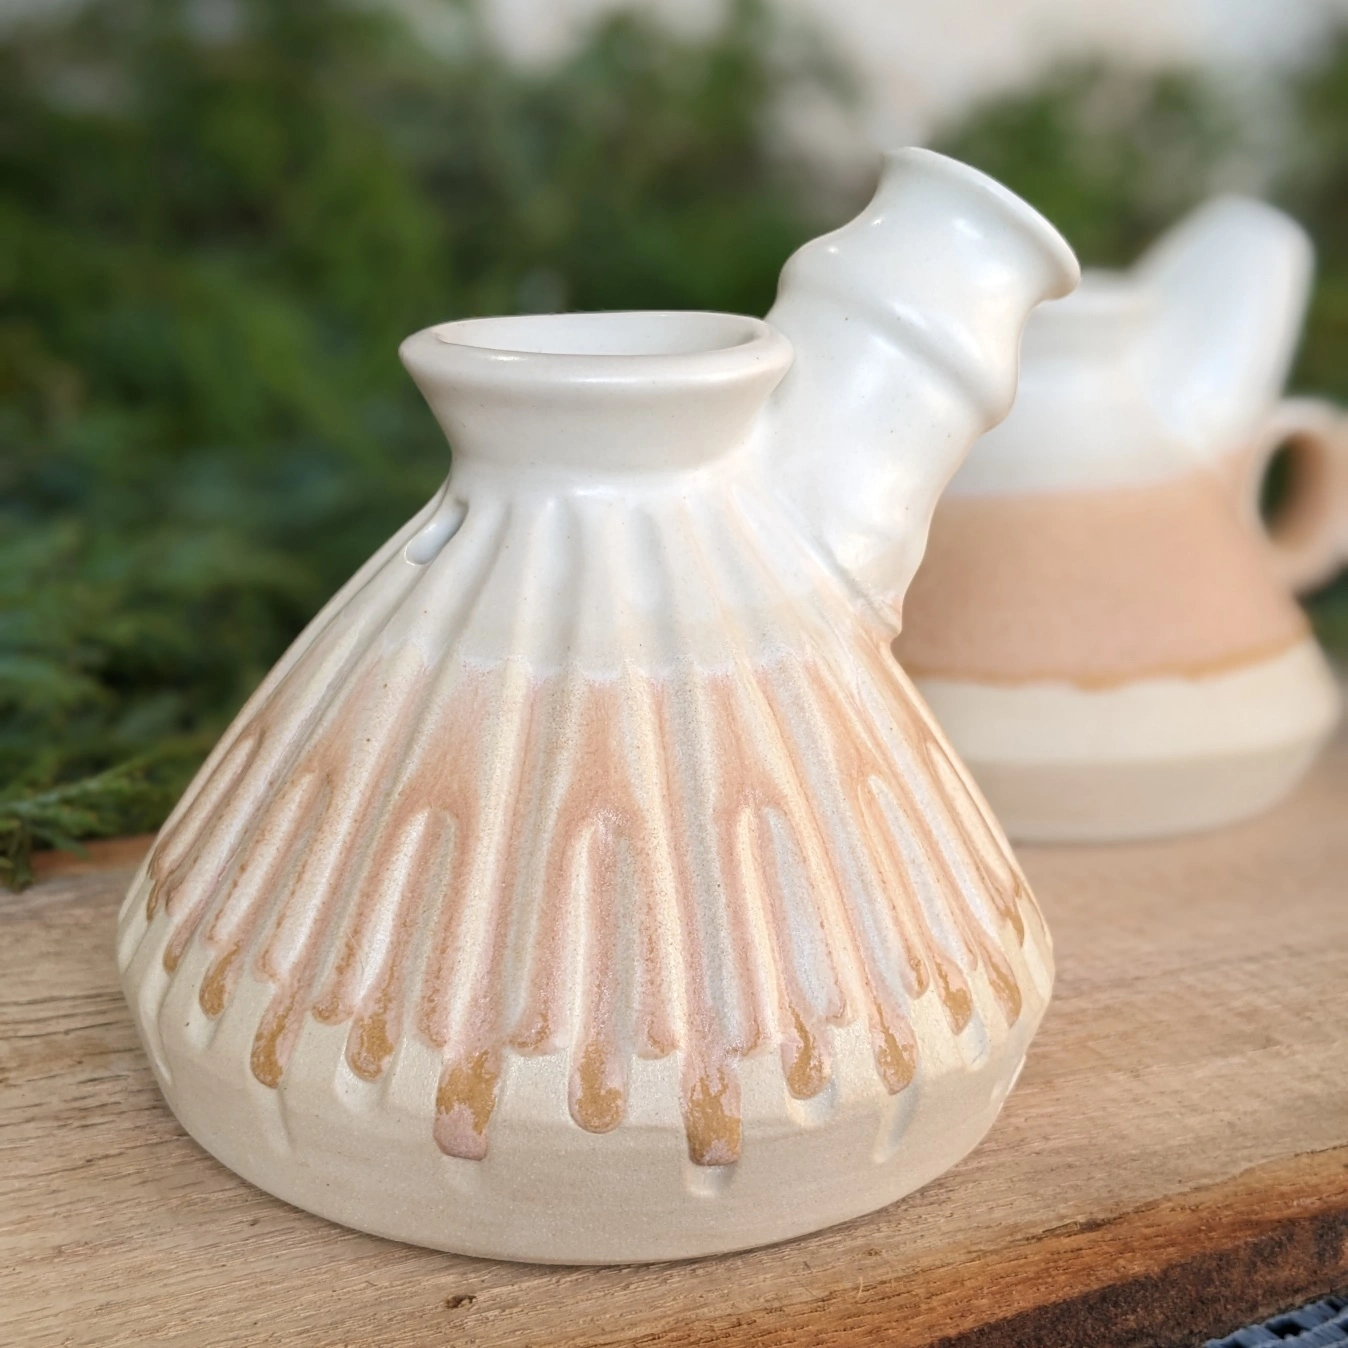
361, 1153
1158, 756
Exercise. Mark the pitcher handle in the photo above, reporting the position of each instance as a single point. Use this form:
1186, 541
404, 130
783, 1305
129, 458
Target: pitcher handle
1307, 532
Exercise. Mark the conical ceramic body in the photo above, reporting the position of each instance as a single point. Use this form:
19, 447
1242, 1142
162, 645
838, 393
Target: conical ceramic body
1099, 621
588, 883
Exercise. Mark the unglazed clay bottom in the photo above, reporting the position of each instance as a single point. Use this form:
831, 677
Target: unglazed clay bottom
1096, 588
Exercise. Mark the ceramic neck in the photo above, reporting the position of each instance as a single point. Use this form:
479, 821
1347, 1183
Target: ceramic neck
597, 392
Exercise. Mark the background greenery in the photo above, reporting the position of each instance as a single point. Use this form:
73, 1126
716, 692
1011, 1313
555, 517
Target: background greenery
217, 221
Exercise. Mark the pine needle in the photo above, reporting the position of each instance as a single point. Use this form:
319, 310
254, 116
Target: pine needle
132, 797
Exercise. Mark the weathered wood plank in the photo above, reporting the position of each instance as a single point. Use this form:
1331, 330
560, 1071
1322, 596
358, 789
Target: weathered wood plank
1173, 1162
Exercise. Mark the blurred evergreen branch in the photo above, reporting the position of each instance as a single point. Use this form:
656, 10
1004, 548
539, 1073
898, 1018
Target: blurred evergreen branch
218, 218
132, 797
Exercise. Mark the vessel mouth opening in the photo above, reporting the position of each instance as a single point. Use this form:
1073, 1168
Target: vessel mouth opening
631, 335
624, 391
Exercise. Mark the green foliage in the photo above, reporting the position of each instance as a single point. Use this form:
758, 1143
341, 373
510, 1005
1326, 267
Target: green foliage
218, 218
1317, 190
217, 221
1315, 187
1112, 157
131, 798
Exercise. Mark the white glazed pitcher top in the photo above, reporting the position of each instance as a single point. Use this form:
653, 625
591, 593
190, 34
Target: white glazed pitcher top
1148, 374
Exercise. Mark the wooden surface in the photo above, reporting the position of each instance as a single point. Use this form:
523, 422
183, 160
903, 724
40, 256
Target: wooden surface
1173, 1163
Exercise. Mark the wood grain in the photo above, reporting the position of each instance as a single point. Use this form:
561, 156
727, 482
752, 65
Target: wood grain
1174, 1161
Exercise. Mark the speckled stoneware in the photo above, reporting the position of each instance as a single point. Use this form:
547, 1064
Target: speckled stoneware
588, 883
1102, 623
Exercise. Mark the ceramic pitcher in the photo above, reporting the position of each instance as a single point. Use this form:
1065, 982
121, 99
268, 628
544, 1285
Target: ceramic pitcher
1104, 624
587, 883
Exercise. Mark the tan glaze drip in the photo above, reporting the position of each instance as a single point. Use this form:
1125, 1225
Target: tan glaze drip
180, 848
1094, 588
807, 1071
711, 1116
956, 835
457, 1011
612, 811
750, 779
895, 1048
275, 1038
386, 927
218, 983
463, 1105
603, 854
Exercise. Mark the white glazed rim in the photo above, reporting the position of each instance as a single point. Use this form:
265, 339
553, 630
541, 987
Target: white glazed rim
620, 347
1030, 221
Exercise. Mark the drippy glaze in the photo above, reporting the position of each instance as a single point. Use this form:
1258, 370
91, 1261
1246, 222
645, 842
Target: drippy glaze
732, 831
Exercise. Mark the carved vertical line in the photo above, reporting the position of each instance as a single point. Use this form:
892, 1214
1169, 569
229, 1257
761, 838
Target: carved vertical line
386, 1011
289, 715
462, 1007
963, 879
659, 1001
368, 886
364, 983
709, 1093
547, 930
908, 860
969, 820
751, 773
598, 1078
248, 882
806, 1060
780, 795
890, 893
234, 928
650, 639
170, 861
854, 915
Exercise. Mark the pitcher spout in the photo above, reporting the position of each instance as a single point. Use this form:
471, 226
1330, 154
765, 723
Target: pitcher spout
906, 325
1232, 281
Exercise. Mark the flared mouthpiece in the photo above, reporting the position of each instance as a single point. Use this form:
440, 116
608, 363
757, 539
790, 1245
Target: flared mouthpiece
597, 392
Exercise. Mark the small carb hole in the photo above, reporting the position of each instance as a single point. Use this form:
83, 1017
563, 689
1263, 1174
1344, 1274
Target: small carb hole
427, 545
